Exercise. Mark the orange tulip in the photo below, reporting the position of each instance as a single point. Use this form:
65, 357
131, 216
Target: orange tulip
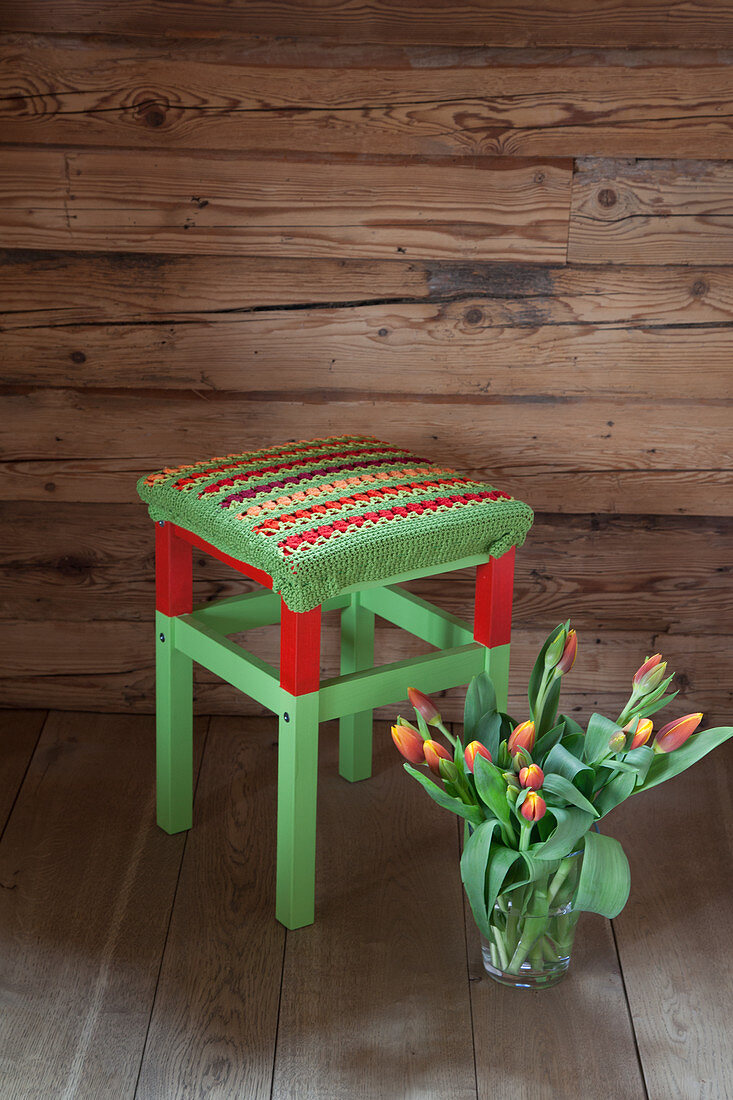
409, 743
434, 753
569, 653
534, 807
424, 705
649, 664
532, 777
472, 751
641, 729
521, 738
674, 734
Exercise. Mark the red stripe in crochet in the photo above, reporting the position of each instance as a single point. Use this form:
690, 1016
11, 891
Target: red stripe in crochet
286, 449
270, 526
292, 542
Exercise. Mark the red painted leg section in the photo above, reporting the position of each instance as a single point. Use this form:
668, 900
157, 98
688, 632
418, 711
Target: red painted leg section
173, 572
300, 650
492, 623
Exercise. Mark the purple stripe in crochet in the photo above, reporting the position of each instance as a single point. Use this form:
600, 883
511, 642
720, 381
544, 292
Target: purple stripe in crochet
246, 494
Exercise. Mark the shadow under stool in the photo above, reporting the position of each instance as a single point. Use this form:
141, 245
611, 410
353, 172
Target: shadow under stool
326, 524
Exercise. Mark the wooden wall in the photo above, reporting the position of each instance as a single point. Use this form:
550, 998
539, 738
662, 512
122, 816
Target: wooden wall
501, 234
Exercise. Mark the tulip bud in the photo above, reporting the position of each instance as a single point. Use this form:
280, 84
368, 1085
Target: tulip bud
510, 779
521, 759
512, 794
532, 777
409, 743
448, 771
674, 734
555, 650
424, 705
522, 738
641, 728
648, 665
472, 751
617, 742
434, 753
503, 760
569, 653
534, 807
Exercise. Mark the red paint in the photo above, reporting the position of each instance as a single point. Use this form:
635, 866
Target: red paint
492, 624
300, 650
173, 571
241, 566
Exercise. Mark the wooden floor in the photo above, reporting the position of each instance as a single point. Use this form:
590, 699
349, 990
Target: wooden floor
135, 964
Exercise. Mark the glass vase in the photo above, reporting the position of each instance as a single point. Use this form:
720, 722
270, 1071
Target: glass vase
532, 928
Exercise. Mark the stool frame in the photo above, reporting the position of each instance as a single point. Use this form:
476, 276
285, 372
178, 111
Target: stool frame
296, 693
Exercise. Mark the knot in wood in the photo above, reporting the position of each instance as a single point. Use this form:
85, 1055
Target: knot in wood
700, 288
473, 316
607, 197
78, 357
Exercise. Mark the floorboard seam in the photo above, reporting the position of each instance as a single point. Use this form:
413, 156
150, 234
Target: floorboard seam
25, 773
628, 1009
170, 921
468, 975
277, 1022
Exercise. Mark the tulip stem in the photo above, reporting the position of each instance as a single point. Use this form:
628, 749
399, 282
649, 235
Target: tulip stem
526, 829
558, 879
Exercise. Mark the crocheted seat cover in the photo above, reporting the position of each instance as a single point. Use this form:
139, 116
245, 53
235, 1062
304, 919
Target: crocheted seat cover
319, 515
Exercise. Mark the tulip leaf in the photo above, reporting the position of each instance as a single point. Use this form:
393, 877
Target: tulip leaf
646, 709
471, 813
488, 732
491, 788
605, 878
538, 671
473, 872
563, 762
546, 742
545, 719
615, 792
572, 823
600, 732
480, 700
640, 759
571, 726
666, 765
500, 864
561, 787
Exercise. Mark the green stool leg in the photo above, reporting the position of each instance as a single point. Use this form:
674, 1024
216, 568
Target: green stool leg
357, 654
296, 811
174, 729
497, 666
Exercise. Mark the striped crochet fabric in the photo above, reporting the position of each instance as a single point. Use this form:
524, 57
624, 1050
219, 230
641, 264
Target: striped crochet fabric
319, 515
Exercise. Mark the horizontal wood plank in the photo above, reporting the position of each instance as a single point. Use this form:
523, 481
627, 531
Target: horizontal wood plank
619, 492
605, 435
463, 348
652, 212
470, 22
106, 665
53, 288
117, 92
93, 562
483, 208
88, 886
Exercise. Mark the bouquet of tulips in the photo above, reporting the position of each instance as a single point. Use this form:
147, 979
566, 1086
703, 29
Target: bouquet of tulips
531, 794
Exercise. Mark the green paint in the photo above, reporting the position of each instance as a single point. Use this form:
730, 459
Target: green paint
237, 666
417, 616
357, 654
297, 782
497, 666
174, 729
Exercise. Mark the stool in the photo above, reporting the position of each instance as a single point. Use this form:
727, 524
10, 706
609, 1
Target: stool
321, 524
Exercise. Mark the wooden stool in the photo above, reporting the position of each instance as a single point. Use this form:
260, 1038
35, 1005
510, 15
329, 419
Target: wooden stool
383, 507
